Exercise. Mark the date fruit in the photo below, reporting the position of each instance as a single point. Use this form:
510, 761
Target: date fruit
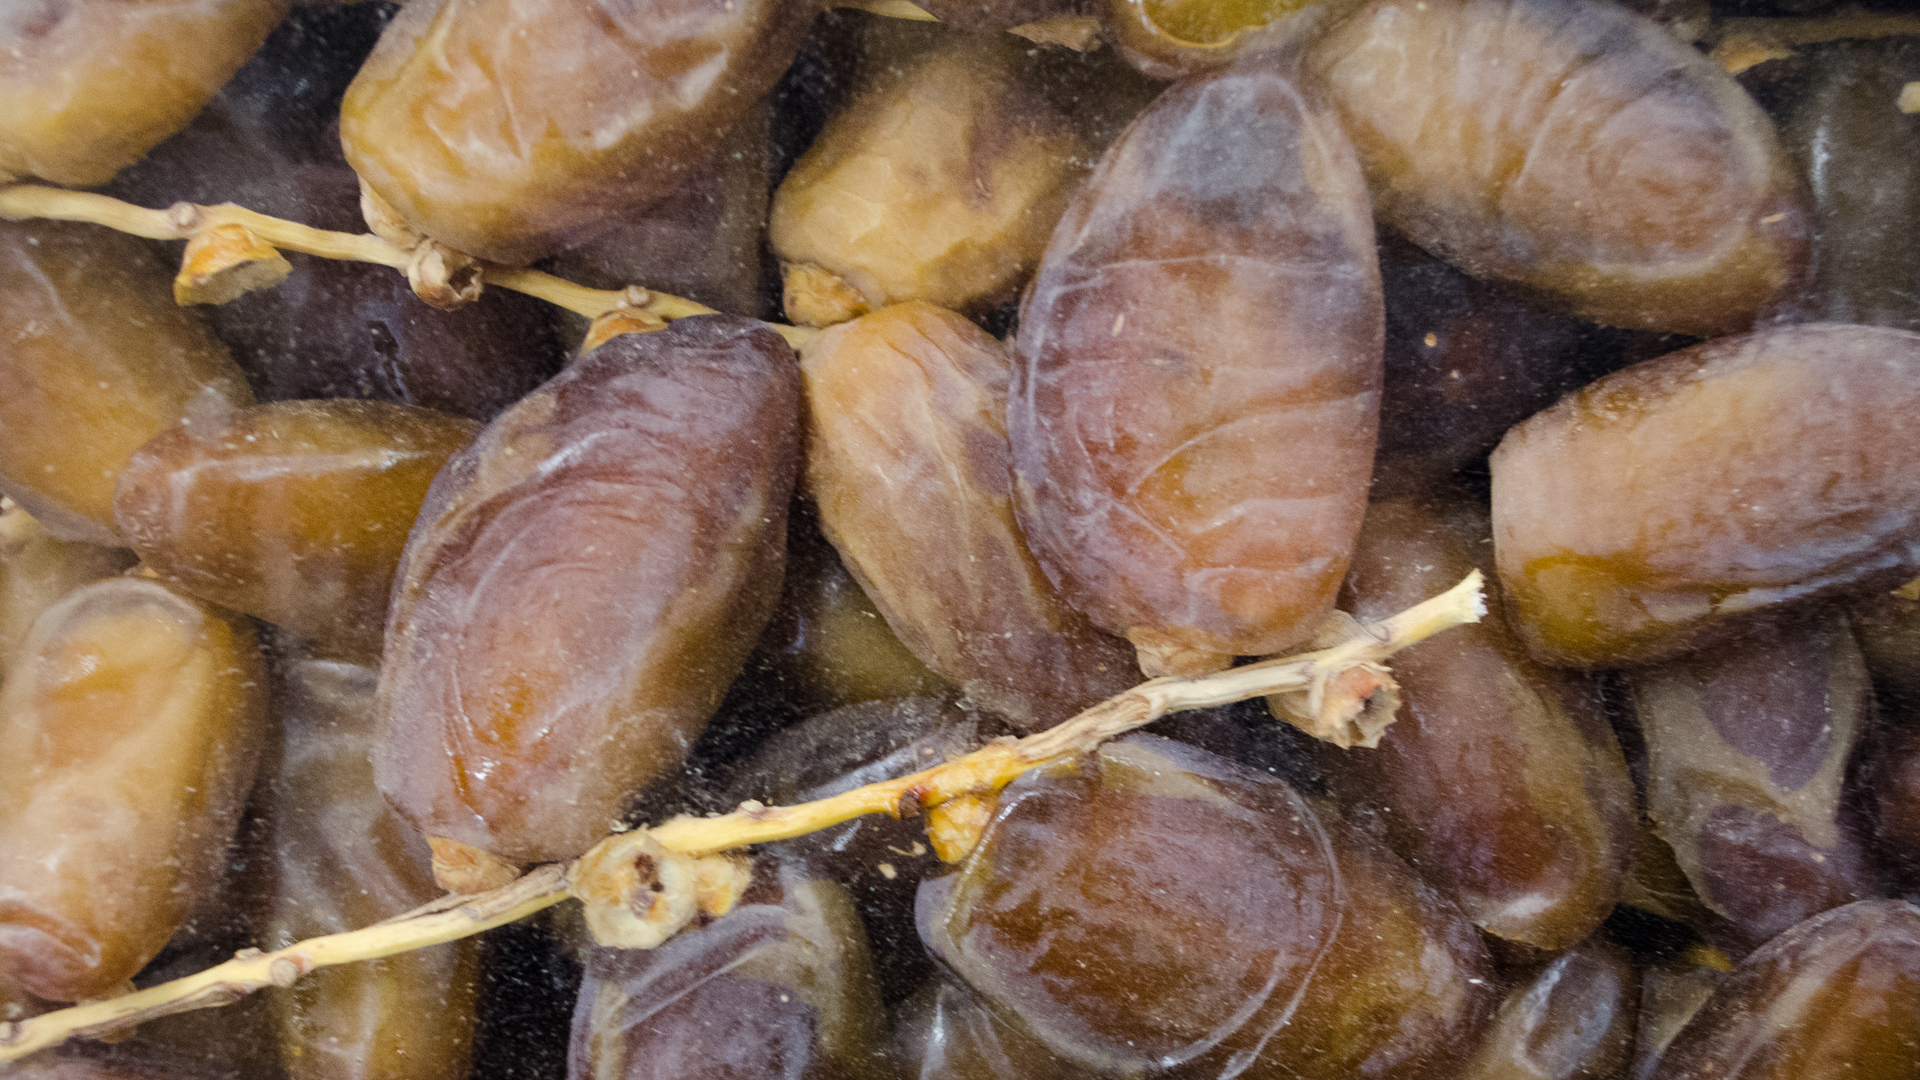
1197, 385
1637, 517
945, 1033
1575, 1019
36, 570
294, 512
95, 359
509, 130
1171, 38
131, 720
939, 182
583, 584
1159, 908
907, 459
1575, 148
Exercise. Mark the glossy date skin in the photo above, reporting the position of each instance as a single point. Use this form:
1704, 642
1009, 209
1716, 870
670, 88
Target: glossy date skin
1157, 907
1574, 1019
940, 182
779, 988
1574, 148
469, 119
1168, 39
1501, 782
1748, 746
95, 359
582, 585
36, 570
131, 721
945, 1033
295, 512
1836, 996
87, 86
342, 859
1197, 382
907, 460
1644, 514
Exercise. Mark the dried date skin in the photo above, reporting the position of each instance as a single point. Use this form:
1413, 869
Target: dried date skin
1640, 516
907, 459
95, 359
1748, 746
470, 121
939, 182
1573, 1019
130, 724
36, 570
1860, 154
87, 86
1197, 380
295, 512
343, 860
1836, 996
779, 988
1575, 148
583, 583
1502, 784
1160, 908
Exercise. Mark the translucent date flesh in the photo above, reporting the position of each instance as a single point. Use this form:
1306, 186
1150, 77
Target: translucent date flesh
1634, 518
1575, 148
87, 86
130, 724
1748, 746
36, 571
294, 512
940, 182
1837, 996
1501, 781
343, 860
470, 118
95, 359
780, 988
1575, 1019
1197, 386
1163, 908
583, 584
1171, 38
907, 459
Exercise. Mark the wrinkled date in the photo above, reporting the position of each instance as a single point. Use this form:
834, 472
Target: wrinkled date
1197, 386
583, 584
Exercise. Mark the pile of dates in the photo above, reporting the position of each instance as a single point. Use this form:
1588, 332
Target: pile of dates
1059, 344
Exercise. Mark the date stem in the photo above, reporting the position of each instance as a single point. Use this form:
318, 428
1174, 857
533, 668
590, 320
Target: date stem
184, 221
979, 773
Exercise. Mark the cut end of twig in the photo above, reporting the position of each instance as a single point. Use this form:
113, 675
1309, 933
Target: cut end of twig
955, 826
465, 869
445, 278
636, 893
1351, 706
225, 263
620, 321
815, 296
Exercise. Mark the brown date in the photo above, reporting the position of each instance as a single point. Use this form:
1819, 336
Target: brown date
779, 988
1575, 148
1502, 783
36, 570
1837, 996
87, 86
470, 119
1671, 992
945, 1033
1887, 625
1639, 516
1197, 384
1575, 1019
95, 359
294, 512
908, 462
342, 859
130, 723
582, 585
1155, 907
1748, 745
940, 181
